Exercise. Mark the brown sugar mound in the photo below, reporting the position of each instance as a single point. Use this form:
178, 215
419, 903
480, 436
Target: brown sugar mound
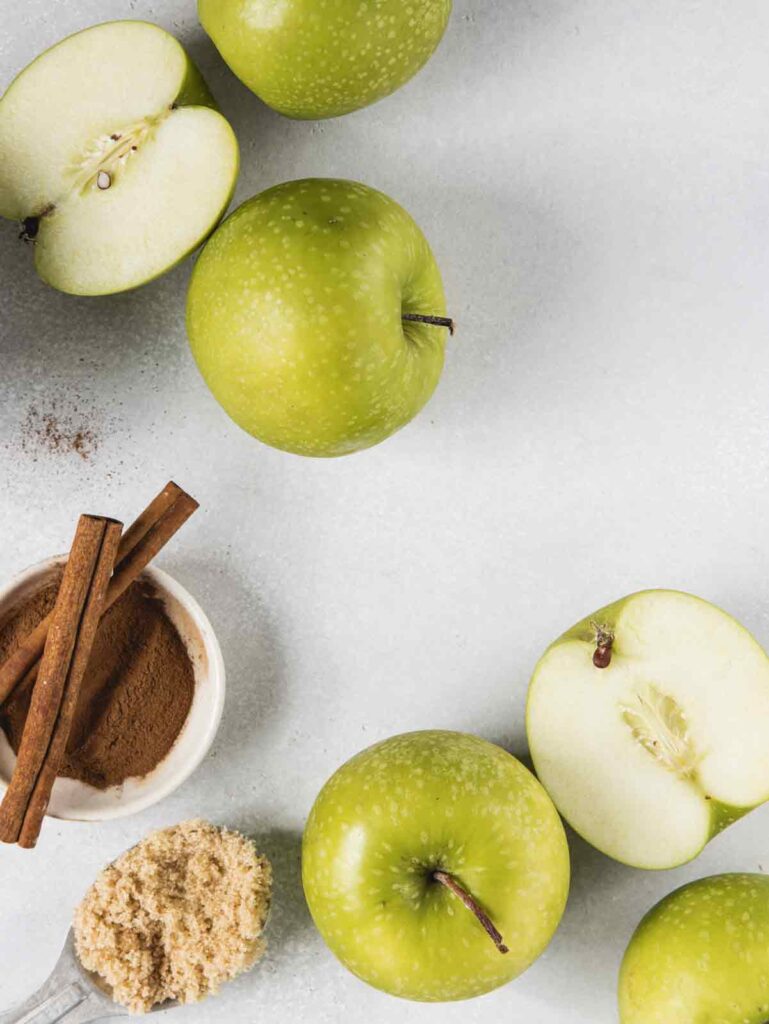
175, 916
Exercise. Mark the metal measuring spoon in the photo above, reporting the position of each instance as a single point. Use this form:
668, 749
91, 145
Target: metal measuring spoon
71, 994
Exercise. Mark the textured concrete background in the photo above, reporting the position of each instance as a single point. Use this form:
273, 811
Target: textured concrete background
593, 177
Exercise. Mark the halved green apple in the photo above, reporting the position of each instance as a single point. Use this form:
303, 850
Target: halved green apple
113, 157
648, 724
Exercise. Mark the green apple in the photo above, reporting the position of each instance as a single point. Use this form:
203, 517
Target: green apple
311, 60
648, 724
435, 866
305, 317
113, 157
701, 956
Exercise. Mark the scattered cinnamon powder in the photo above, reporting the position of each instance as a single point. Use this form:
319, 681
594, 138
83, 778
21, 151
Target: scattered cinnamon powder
175, 916
135, 696
58, 432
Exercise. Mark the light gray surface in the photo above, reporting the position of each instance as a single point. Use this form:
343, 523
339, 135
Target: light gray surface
593, 177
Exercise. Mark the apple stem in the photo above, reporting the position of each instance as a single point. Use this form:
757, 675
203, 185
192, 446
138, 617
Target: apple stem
604, 641
602, 657
436, 321
462, 894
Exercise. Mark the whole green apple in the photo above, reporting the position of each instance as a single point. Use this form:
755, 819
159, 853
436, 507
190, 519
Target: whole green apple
310, 59
648, 724
701, 956
435, 866
316, 316
113, 157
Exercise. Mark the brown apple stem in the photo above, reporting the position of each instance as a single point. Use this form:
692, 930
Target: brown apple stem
603, 645
435, 321
602, 656
462, 894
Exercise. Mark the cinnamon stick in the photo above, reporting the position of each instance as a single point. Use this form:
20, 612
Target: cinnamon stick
156, 509
165, 514
152, 540
92, 613
74, 620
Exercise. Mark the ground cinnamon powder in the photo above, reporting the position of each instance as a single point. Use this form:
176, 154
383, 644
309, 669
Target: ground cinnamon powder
135, 696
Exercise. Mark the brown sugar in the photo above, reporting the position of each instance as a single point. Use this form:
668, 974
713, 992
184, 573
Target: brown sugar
176, 916
135, 696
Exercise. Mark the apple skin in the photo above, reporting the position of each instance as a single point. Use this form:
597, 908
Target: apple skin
308, 63
408, 806
294, 317
701, 955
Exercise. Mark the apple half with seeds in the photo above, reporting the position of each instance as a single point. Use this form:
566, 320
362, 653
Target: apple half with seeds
113, 158
648, 724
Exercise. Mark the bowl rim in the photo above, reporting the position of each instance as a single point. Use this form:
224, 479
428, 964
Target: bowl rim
215, 677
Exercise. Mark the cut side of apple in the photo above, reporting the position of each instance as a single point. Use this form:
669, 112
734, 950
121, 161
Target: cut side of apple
113, 157
653, 754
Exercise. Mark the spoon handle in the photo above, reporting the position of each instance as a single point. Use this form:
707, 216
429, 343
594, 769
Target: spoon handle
51, 1004
66, 996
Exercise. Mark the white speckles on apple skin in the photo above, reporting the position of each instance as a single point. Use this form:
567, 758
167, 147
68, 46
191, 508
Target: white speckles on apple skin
375, 835
323, 58
701, 954
295, 317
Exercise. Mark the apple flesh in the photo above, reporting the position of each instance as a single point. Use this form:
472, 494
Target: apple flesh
701, 955
113, 157
397, 822
298, 317
648, 724
308, 62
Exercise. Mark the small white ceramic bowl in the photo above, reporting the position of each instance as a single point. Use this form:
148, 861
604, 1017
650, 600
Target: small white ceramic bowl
75, 801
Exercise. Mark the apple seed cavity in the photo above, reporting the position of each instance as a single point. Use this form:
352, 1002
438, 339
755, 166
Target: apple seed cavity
106, 156
657, 721
100, 165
